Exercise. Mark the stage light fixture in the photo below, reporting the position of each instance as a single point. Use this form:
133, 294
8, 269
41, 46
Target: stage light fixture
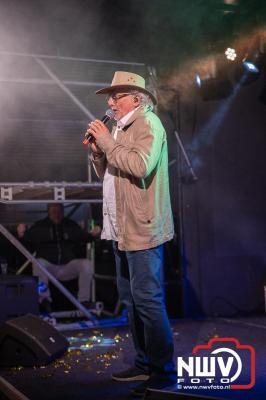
230, 54
254, 63
198, 80
250, 67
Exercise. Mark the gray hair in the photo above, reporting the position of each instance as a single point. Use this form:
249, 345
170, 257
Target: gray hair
145, 100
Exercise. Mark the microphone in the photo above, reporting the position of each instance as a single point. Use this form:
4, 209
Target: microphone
109, 114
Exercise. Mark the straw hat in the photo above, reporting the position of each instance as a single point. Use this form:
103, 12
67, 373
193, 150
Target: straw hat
125, 81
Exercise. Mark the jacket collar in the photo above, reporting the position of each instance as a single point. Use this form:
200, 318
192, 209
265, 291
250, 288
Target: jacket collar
139, 112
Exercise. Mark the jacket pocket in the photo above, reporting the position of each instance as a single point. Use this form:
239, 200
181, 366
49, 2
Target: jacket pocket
140, 205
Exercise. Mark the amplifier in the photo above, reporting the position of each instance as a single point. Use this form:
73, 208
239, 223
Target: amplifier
18, 296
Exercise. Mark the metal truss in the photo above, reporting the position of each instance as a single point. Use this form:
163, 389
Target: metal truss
41, 58
50, 192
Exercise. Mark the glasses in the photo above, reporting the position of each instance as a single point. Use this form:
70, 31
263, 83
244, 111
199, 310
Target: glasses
116, 97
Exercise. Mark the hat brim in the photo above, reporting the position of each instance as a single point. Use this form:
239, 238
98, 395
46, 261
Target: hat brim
115, 88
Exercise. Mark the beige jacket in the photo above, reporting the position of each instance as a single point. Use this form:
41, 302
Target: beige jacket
140, 160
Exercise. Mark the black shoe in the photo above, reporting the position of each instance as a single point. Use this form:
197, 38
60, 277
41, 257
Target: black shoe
45, 307
130, 375
155, 381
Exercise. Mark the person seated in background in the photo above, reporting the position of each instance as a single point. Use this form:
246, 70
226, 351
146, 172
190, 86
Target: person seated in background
59, 243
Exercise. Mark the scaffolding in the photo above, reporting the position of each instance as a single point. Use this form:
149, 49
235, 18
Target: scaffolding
69, 76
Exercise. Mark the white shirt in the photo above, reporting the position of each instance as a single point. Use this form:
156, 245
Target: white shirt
109, 231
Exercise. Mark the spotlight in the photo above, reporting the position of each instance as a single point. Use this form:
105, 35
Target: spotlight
230, 54
198, 80
254, 63
250, 67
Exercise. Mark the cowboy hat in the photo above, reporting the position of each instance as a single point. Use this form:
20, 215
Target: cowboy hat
127, 81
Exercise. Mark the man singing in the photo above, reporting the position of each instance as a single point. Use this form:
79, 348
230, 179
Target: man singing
137, 217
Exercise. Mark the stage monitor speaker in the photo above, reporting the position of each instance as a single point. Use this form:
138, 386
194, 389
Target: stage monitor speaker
30, 341
9, 392
154, 394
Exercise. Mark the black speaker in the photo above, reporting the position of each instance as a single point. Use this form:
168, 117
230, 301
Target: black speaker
30, 341
154, 394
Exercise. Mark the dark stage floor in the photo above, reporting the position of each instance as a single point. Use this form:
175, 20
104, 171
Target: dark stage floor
84, 372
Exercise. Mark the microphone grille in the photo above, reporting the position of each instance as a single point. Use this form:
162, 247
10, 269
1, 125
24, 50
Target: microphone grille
110, 113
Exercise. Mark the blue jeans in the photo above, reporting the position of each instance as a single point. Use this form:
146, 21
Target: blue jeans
139, 281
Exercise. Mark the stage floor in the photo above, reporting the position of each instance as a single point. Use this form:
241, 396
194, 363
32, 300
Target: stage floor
84, 372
